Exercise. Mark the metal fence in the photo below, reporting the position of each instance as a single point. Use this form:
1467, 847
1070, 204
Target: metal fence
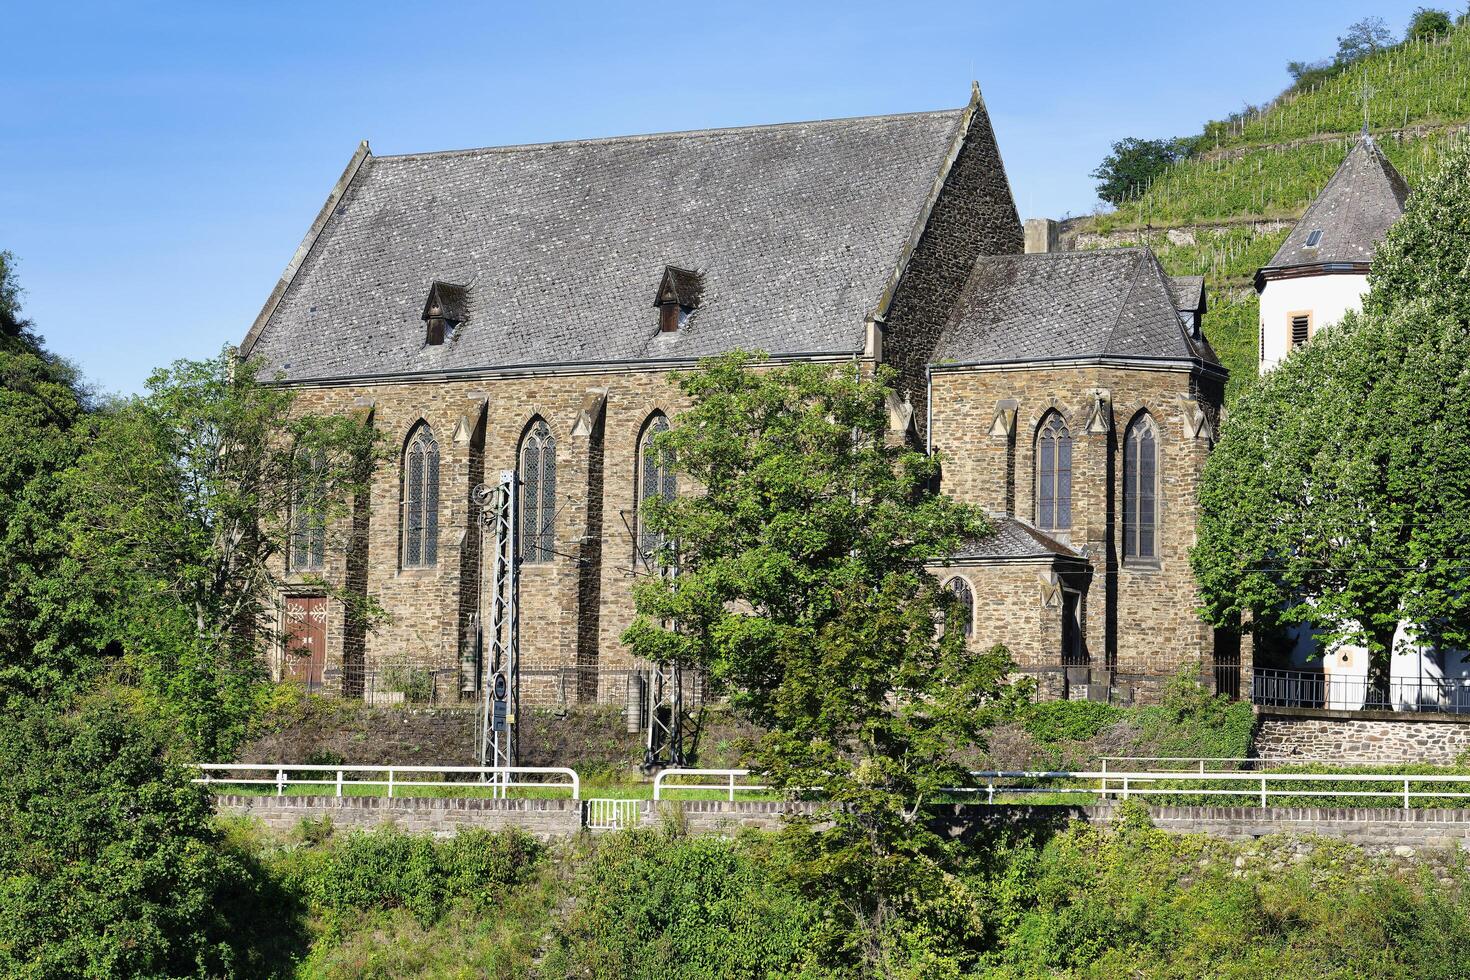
1259, 789
474, 781
727, 784
1279, 688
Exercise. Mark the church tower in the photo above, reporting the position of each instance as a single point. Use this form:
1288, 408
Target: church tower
1321, 270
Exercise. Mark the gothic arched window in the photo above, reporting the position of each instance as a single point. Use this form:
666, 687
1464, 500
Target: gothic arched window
1141, 489
308, 514
538, 493
1053, 474
964, 604
420, 499
655, 480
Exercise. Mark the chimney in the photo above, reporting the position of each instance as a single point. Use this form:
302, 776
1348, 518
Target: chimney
1042, 235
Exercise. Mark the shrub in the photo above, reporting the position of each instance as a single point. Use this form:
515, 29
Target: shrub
1050, 722
108, 864
389, 869
1190, 721
650, 905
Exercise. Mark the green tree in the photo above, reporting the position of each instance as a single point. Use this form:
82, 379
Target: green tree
1339, 494
182, 504
1132, 165
1428, 24
48, 602
108, 863
802, 590
1363, 38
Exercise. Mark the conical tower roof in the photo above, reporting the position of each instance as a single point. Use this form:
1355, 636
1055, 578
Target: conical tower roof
1348, 219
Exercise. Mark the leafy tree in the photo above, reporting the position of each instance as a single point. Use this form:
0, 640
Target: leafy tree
108, 863
48, 603
1132, 165
802, 590
1340, 490
183, 501
1367, 36
1428, 24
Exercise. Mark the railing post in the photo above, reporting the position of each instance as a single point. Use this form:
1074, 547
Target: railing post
990, 792
280, 782
1406, 792
1125, 787
732, 786
390, 782
1201, 767
339, 782
1263, 792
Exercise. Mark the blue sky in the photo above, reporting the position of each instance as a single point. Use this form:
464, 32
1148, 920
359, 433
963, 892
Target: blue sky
160, 162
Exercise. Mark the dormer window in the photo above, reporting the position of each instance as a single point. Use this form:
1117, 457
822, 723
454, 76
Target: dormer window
444, 310
1315, 238
678, 296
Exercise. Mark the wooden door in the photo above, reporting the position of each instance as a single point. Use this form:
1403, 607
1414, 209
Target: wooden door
306, 639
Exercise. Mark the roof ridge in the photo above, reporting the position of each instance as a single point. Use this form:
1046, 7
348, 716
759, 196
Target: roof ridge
668, 134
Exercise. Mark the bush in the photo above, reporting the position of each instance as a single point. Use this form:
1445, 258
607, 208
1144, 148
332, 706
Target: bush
650, 905
1189, 721
389, 869
108, 864
1050, 722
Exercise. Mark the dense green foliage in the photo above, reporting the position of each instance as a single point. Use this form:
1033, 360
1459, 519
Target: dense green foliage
1073, 901
1131, 166
1340, 489
1050, 722
1429, 24
108, 864
803, 592
650, 907
180, 502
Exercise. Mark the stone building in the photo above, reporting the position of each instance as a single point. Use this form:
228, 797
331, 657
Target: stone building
521, 307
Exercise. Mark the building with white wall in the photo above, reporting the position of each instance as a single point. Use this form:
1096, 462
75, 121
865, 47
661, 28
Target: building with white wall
1321, 270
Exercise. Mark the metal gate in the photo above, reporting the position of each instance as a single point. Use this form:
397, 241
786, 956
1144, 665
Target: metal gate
605, 814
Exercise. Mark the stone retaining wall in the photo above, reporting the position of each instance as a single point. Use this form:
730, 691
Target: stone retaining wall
1376, 737
1386, 831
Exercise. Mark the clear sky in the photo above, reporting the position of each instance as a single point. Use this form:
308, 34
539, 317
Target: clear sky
160, 162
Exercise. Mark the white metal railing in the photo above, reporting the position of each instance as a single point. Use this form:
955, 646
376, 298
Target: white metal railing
500, 779
1258, 786
1205, 764
603, 813
729, 786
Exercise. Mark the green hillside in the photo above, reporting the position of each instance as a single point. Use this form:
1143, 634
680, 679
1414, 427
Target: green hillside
1220, 211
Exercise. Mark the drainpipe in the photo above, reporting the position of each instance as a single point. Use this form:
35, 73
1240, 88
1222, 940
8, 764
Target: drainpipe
928, 409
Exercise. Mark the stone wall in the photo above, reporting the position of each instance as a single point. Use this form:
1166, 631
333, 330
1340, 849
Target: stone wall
1138, 616
1378, 831
1377, 737
973, 215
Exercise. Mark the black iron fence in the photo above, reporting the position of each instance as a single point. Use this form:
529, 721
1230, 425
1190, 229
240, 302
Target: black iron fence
1280, 688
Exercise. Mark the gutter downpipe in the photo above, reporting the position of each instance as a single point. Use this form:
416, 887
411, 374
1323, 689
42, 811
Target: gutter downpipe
928, 410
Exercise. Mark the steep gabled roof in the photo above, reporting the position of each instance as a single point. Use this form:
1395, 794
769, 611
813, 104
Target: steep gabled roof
1353, 212
1055, 306
796, 230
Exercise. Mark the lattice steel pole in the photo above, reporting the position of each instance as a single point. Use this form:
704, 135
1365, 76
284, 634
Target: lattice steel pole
500, 667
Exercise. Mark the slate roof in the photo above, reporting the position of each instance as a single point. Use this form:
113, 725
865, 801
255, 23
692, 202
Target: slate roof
795, 229
1013, 538
1188, 292
1354, 211
1102, 303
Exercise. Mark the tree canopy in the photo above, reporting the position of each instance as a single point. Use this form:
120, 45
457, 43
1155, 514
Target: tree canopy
1132, 165
1339, 494
800, 585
